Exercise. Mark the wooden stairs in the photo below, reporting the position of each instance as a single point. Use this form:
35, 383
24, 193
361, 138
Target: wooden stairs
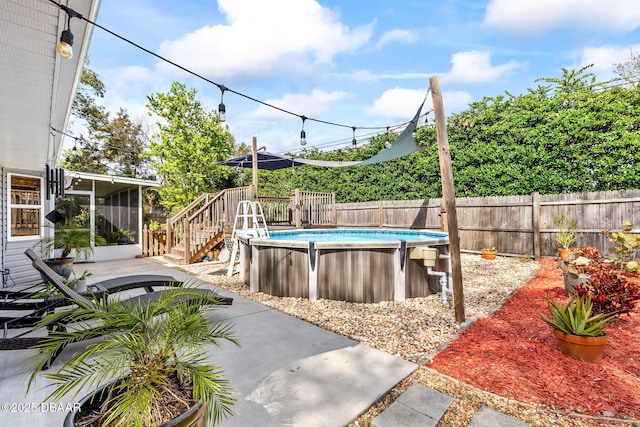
177, 253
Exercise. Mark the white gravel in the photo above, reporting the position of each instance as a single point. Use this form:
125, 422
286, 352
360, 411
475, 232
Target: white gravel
415, 329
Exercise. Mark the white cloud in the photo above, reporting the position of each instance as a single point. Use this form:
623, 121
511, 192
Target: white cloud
604, 57
456, 101
396, 104
401, 104
535, 18
475, 67
309, 105
135, 73
263, 38
405, 36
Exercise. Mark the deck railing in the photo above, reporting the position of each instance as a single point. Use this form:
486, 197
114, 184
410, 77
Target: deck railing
194, 226
313, 209
277, 210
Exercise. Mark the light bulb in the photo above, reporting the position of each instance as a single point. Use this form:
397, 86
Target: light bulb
303, 138
222, 110
64, 48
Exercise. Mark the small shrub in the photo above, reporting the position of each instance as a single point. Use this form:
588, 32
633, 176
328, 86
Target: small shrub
624, 247
608, 290
589, 252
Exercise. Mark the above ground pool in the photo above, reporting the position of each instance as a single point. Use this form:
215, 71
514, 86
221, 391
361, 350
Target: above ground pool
356, 265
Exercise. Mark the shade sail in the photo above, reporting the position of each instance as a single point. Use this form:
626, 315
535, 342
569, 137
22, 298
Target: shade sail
404, 145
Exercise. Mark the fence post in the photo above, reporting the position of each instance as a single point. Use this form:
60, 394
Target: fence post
145, 241
335, 209
169, 235
187, 240
296, 208
535, 217
380, 215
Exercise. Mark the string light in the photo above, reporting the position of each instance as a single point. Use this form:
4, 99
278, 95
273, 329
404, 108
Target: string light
354, 142
221, 106
64, 48
222, 109
303, 135
388, 141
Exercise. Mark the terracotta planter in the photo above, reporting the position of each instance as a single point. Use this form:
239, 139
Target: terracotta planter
489, 254
193, 417
589, 349
562, 252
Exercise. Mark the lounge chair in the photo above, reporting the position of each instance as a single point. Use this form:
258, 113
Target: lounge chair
26, 299
21, 341
118, 284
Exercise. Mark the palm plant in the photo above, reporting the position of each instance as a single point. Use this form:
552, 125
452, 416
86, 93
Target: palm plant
70, 236
156, 349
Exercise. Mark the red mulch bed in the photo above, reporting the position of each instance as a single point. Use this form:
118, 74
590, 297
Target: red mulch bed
514, 354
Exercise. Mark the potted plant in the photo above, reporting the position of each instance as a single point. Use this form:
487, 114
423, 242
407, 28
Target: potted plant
579, 334
152, 358
68, 236
81, 282
572, 266
489, 253
122, 236
566, 235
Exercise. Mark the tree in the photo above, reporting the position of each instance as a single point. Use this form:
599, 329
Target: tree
84, 101
568, 134
123, 145
114, 145
186, 149
629, 70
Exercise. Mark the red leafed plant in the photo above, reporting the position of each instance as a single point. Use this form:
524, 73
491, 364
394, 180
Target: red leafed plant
608, 290
589, 252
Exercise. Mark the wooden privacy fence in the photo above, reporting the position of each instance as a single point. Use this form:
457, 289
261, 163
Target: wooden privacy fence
153, 242
516, 225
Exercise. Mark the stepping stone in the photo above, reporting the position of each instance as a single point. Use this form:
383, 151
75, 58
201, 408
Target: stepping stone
418, 406
487, 417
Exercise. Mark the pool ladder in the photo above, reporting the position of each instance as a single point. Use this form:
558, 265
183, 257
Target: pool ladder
252, 224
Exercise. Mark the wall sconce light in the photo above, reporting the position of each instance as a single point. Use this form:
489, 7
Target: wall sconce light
303, 135
64, 48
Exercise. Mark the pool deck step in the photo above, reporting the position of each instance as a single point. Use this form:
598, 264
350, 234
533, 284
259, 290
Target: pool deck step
421, 406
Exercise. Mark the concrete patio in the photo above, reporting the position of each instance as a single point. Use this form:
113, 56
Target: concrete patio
286, 372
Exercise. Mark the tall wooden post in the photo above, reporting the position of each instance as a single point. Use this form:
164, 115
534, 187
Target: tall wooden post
254, 169
448, 198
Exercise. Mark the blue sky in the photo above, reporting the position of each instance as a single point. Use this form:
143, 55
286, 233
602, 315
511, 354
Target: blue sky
363, 64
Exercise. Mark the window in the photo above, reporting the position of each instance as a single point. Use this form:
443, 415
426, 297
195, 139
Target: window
25, 206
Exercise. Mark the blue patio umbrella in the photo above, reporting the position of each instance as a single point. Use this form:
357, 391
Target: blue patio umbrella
266, 161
